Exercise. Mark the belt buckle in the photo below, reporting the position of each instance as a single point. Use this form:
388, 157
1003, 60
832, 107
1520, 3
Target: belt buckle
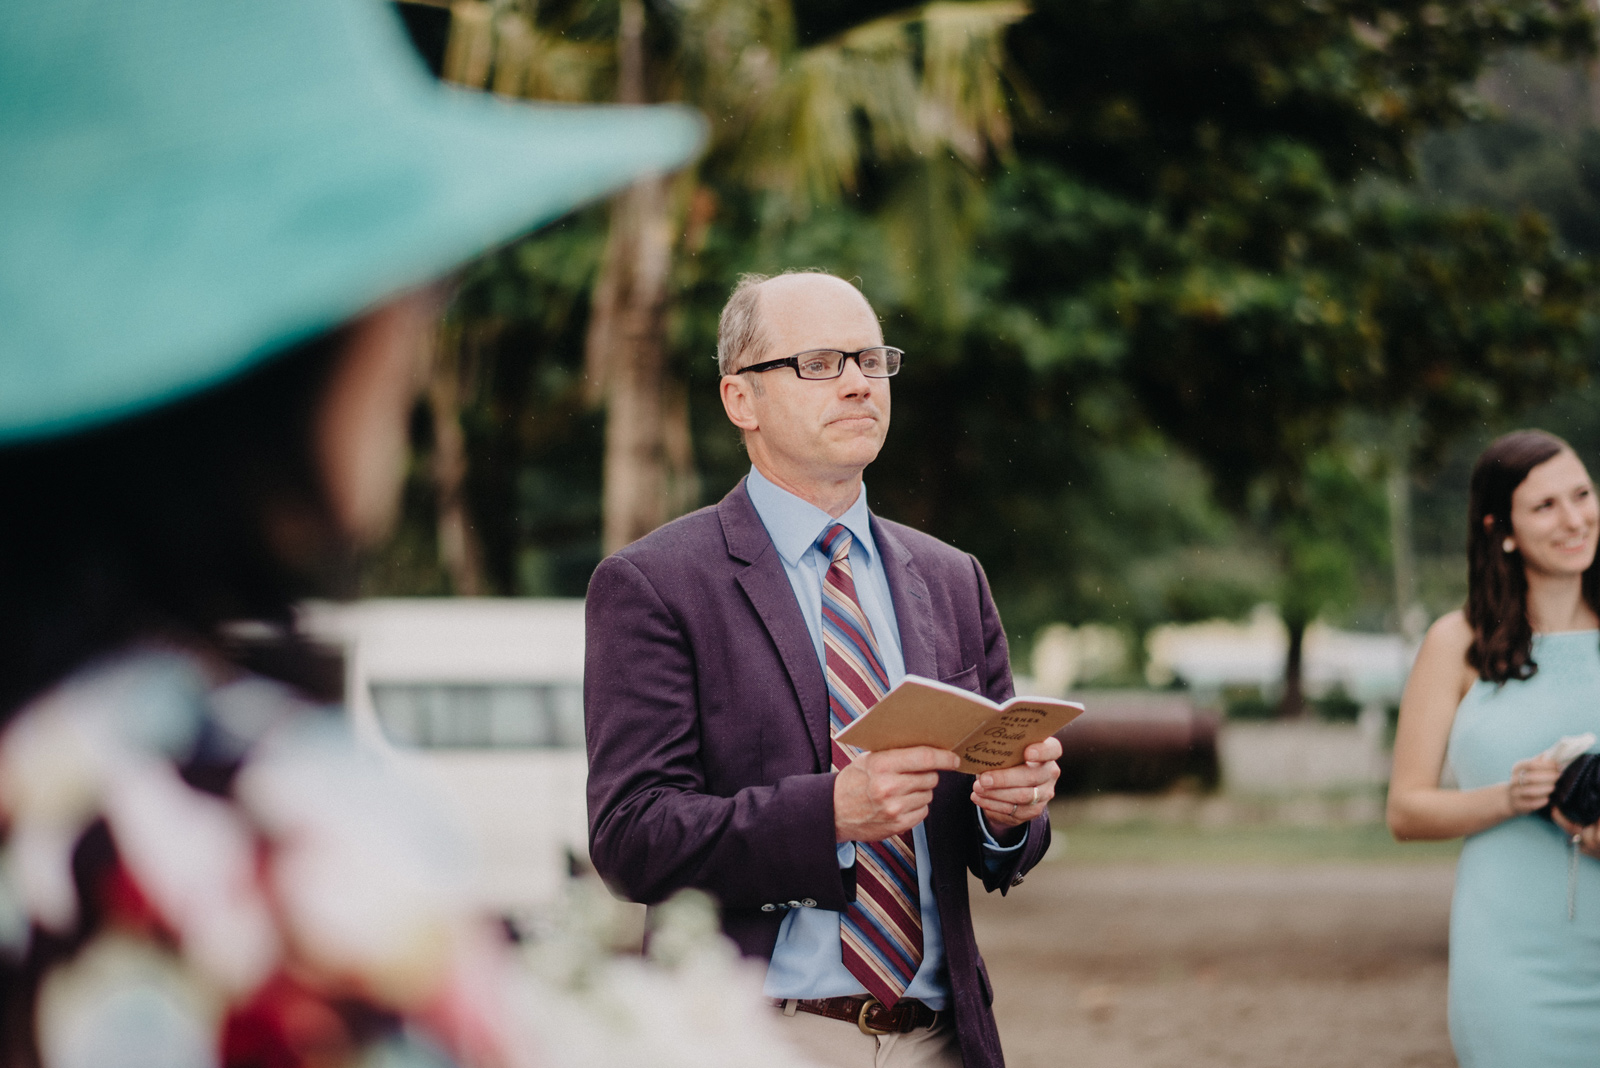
861, 1019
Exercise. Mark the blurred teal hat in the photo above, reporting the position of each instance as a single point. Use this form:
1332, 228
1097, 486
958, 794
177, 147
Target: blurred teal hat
187, 186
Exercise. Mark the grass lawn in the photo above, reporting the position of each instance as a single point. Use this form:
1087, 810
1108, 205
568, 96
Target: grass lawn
1145, 841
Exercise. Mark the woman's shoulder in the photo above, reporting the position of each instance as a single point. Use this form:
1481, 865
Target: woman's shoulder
1450, 631
1443, 654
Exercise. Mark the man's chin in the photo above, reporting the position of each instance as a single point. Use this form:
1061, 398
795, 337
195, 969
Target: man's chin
855, 458
841, 432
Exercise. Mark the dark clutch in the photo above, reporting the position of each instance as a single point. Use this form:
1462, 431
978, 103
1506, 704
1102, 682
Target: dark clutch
1577, 792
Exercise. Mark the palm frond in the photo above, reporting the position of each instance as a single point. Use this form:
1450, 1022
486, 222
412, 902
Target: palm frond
511, 55
915, 83
571, 71
963, 74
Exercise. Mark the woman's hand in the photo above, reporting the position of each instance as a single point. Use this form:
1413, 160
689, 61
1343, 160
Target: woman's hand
1530, 784
1588, 837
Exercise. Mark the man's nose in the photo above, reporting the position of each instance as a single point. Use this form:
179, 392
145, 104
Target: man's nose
852, 383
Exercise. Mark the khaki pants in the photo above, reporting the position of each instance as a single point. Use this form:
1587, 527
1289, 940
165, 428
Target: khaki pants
841, 1044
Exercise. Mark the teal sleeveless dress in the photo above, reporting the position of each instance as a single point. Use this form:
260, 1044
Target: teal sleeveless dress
1524, 975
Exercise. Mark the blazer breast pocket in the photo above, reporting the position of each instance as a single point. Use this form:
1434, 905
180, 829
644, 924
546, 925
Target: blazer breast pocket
966, 680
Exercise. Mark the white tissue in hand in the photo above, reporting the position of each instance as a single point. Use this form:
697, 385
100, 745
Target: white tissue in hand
1569, 748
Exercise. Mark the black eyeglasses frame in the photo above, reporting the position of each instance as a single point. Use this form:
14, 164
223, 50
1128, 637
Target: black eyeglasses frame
794, 362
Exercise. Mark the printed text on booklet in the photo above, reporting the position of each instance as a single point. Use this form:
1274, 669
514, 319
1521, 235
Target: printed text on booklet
986, 736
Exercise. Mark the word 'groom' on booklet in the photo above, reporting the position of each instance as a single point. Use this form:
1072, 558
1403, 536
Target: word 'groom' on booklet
986, 736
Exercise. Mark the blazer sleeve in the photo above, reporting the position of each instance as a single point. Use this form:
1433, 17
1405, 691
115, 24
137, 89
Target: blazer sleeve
998, 687
654, 827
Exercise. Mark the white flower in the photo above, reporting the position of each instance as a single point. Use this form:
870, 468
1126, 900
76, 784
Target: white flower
195, 860
58, 754
122, 1003
368, 885
693, 1004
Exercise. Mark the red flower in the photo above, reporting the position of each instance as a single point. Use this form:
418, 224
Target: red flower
286, 1025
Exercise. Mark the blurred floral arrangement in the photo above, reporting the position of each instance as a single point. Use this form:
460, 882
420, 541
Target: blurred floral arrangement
690, 1002
195, 874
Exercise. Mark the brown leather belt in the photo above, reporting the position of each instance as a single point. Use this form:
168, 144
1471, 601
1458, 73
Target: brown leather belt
868, 1013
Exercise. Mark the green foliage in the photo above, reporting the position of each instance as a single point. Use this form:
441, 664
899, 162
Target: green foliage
1334, 523
1136, 351
1337, 706
1538, 151
1226, 264
1248, 703
1174, 100
1213, 234
1267, 839
1513, 166
1373, 302
534, 441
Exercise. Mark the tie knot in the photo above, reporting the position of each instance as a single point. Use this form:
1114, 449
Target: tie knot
836, 541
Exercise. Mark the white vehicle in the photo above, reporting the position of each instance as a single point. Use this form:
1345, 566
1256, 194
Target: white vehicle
482, 698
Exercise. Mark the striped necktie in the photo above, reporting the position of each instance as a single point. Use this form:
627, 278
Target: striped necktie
881, 931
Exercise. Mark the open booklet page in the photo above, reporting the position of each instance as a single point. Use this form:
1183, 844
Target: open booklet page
983, 734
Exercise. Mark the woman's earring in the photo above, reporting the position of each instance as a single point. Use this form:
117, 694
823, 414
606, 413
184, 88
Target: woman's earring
1508, 546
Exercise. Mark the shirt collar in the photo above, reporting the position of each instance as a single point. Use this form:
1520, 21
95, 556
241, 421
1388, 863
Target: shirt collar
794, 525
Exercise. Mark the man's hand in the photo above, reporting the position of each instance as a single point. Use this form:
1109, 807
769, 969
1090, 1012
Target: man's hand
1013, 796
885, 793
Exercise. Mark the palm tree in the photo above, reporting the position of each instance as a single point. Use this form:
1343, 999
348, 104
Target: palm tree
794, 124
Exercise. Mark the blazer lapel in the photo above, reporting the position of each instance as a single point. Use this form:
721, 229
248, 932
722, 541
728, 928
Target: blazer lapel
910, 594
767, 586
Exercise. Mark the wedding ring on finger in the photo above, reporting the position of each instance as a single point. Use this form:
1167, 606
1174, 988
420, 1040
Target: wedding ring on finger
1035, 798
1014, 808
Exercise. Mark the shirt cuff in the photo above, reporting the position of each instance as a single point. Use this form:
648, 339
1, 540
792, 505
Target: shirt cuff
847, 854
992, 844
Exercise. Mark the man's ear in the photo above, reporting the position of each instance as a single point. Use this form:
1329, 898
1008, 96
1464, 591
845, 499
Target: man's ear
738, 400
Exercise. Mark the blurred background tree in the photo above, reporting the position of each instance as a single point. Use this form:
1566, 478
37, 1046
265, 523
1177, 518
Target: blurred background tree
790, 125
1245, 265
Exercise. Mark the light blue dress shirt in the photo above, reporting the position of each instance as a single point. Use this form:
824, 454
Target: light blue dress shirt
806, 961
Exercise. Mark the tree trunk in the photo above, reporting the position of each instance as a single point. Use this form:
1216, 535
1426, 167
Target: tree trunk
648, 474
626, 358
459, 551
1410, 616
683, 481
1293, 702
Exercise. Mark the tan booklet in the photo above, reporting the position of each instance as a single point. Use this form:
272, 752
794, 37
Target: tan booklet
986, 736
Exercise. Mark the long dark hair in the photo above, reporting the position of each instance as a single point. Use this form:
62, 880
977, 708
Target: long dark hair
1497, 584
166, 525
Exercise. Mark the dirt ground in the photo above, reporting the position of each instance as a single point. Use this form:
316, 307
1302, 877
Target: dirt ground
1322, 965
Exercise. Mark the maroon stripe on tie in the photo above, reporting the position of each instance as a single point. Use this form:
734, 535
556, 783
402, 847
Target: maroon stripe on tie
886, 879
888, 902
864, 695
890, 858
886, 947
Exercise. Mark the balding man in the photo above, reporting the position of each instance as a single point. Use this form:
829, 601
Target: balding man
724, 651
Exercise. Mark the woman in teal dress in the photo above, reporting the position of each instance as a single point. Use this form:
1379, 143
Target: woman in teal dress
1495, 686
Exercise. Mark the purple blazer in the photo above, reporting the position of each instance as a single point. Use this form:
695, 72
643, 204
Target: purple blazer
707, 722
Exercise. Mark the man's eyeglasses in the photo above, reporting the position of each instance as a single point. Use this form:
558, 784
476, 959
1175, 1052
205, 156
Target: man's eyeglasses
882, 361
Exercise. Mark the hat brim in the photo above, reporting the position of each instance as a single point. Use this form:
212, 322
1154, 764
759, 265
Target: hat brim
197, 263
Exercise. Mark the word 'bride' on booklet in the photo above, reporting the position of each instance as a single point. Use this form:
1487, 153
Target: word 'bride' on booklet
986, 736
